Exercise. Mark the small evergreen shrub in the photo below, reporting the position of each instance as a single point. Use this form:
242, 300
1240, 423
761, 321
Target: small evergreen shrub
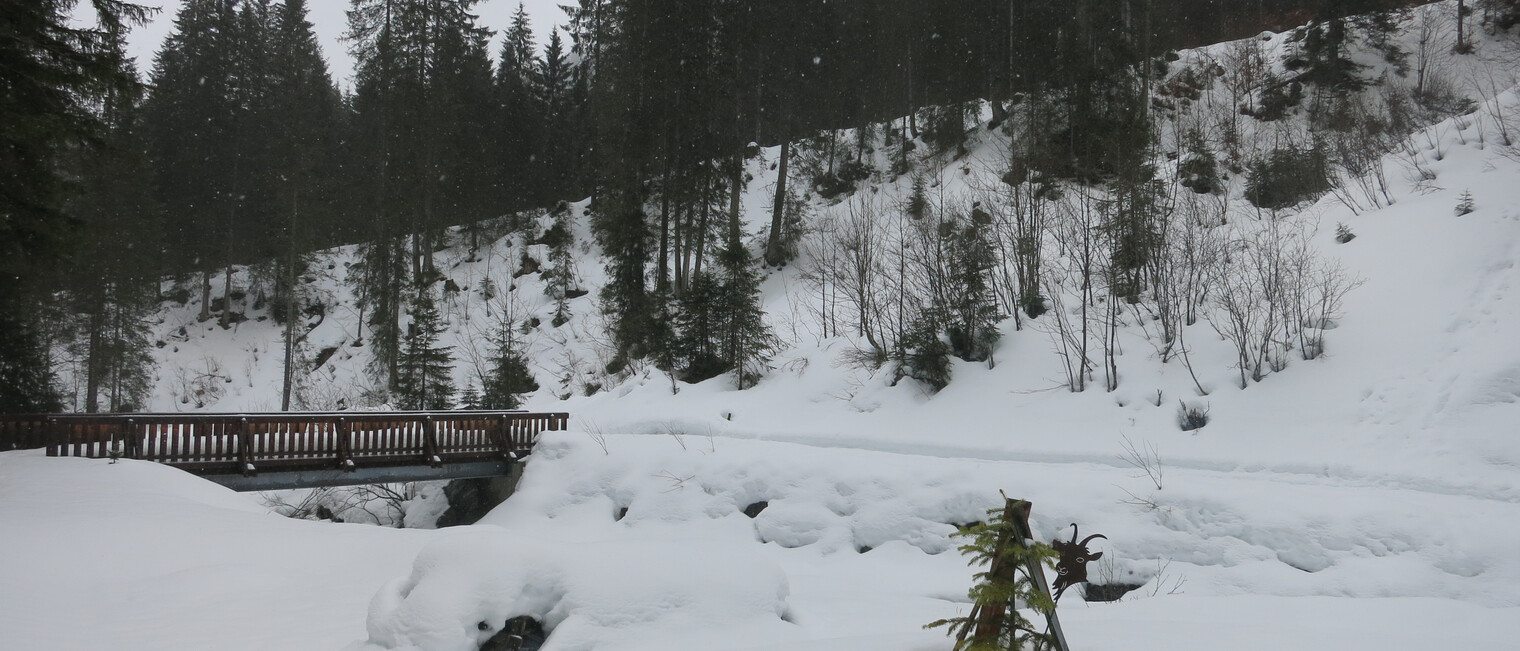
926, 357
1192, 417
1343, 233
1287, 177
1466, 206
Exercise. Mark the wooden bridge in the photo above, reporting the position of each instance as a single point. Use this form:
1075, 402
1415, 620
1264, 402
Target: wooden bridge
249, 452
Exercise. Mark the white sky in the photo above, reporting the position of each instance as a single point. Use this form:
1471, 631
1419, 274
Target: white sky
330, 20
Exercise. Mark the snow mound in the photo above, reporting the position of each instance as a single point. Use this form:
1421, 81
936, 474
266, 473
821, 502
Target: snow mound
464, 588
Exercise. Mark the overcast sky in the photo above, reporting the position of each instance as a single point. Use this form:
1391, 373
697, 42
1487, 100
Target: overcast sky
330, 20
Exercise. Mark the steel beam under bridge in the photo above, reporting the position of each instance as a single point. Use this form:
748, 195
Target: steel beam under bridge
289, 479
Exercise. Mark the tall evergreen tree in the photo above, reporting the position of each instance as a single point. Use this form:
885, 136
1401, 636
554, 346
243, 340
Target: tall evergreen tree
113, 284
194, 122
302, 118
518, 127
553, 85
52, 72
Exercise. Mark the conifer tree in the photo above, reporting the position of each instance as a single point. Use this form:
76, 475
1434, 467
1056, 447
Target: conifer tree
559, 278
112, 285
518, 121
1005, 586
54, 72
748, 343
192, 83
425, 378
552, 86
971, 312
302, 113
510, 376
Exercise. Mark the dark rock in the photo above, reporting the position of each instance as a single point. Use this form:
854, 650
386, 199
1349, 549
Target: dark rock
519, 634
471, 499
753, 510
1094, 593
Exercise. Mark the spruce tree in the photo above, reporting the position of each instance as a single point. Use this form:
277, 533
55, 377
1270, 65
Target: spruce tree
54, 72
302, 116
971, 313
113, 285
748, 343
425, 377
559, 278
1005, 586
195, 81
510, 376
518, 123
552, 86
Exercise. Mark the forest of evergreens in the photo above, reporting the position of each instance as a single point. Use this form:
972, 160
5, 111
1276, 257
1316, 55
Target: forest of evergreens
234, 146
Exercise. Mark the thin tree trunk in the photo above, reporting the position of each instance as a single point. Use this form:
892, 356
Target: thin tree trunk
290, 305
205, 296
773, 252
662, 280
93, 363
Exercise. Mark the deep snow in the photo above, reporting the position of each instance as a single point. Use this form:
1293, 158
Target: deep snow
1364, 500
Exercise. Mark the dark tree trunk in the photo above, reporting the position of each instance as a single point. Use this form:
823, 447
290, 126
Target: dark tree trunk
773, 252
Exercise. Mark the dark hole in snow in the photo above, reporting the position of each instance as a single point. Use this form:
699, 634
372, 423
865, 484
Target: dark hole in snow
754, 510
1095, 593
323, 356
528, 633
968, 525
622, 513
863, 549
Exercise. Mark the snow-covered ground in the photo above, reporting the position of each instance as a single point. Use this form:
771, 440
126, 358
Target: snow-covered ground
1367, 499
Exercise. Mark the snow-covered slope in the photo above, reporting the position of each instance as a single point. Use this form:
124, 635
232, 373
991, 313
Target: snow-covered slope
1366, 499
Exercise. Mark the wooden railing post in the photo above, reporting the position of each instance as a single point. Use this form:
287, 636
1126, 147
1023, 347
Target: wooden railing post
500, 438
430, 443
345, 445
50, 429
245, 449
131, 442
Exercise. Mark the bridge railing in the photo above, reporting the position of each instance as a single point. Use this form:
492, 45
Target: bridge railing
247, 443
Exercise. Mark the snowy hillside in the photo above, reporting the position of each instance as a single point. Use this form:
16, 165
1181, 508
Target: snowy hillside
1362, 499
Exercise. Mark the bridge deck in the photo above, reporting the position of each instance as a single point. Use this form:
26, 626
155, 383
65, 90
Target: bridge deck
291, 450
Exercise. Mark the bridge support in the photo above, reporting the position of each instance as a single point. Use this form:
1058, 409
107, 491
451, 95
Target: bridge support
268, 480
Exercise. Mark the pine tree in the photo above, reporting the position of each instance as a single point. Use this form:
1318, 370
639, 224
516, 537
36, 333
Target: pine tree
510, 376
1337, 24
1465, 205
552, 86
54, 71
302, 116
559, 278
112, 286
519, 117
996, 623
971, 311
700, 341
748, 343
197, 80
923, 355
425, 379
470, 398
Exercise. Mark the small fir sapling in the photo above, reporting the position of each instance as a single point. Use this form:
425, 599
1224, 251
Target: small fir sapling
1343, 233
1466, 206
995, 622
